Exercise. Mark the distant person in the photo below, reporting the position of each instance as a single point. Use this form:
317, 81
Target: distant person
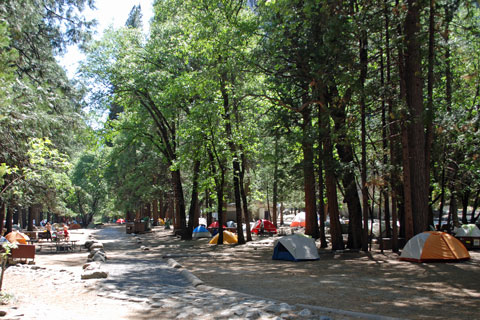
65, 233
48, 227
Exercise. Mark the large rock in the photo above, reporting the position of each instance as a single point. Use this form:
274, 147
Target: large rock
93, 252
94, 274
91, 265
89, 243
96, 245
98, 256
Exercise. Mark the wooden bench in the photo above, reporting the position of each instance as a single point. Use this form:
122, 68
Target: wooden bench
23, 252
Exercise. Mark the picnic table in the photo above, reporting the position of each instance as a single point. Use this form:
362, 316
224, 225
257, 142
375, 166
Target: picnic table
65, 245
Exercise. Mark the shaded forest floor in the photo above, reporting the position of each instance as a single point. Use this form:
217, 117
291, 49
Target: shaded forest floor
362, 282
371, 283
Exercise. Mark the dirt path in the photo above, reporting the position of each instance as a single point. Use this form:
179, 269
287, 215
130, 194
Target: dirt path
367, 283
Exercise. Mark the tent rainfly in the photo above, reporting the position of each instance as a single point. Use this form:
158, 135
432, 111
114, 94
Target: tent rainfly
201, 232
17, 237
299, 220
434, 246
467, 230
295, 248
264, 226
228, 238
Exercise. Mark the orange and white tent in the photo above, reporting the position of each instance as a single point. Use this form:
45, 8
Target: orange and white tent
17, 237
434, 246
299, 220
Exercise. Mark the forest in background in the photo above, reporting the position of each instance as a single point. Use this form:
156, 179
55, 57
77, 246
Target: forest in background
364, 107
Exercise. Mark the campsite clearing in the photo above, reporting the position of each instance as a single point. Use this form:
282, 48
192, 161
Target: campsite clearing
361, 282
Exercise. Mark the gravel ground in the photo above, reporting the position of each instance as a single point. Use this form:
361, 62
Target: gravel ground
157, 276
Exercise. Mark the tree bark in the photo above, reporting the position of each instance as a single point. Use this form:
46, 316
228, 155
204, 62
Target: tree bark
345, 152
430, 109
311, 221
275, 183
416, 129
335, 228
180, 204
321, 182
384, 188
155, 211
473, 219
31, 213
363, 76
246, 212
194, 200
408, 208
3, 209
9, 219
465, 199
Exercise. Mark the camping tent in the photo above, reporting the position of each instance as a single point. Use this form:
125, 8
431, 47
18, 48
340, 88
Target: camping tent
228, 238
299, 220
17, 237
433, 246
201, 232
215, 225
467, 230
469, 235
295, 248
231, 224
268, 227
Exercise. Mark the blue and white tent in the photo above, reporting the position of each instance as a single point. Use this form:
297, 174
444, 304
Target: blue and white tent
201, 232
295, 248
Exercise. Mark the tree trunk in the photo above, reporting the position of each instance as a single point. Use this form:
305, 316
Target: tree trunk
246, 212
275, 183
473, 219
268, 200
416, 130
3, 209
442, 198
238, 200
311, 221
220, 185
321, 182
465, 198
384, 189
392, 131
208, 204
31, 213
194, 200
17, 216
430, 111
9, 219
363, 76
408, 208
233, 151
155, 211
24, 218
345, 152
453, 209
180, 204
335, 228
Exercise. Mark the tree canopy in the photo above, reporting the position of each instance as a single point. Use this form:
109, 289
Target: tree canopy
349, 110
